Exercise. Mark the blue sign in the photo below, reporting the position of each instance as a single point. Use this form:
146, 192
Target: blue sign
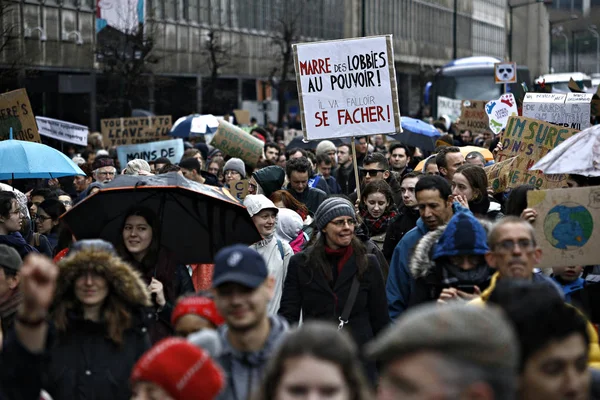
171, 149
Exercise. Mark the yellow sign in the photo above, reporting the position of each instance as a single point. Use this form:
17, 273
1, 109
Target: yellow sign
16, 113
135, 130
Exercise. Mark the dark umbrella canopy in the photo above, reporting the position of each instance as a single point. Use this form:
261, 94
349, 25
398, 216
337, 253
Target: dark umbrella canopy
298, 142
196, 220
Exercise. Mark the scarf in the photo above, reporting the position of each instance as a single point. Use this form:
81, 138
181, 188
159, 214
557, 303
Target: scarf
344, 254
17, 242
377, 225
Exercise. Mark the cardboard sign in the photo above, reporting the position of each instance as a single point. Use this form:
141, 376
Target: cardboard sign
500, 174
473, 116
529, 140
16, 113
171, 149
239, 189
567, 227
499, 110
63, 131
571, 110
505, 72
449, 107
234, 142
242, 117
347, 87
135, 130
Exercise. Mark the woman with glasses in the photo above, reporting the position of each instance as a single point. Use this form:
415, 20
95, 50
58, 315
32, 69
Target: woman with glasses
10, 224
234, 170
319, 279
100, 320
48, 220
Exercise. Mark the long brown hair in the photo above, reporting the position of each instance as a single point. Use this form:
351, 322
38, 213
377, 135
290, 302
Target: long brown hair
290, 202
319, 263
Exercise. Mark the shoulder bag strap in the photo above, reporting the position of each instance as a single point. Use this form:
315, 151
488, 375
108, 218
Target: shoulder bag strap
349, 303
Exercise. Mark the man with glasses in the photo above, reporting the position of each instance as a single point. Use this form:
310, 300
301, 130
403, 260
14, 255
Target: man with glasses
514, 254
104, 169
376, 168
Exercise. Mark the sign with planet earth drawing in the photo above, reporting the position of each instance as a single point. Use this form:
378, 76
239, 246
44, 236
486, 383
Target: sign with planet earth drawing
567, 225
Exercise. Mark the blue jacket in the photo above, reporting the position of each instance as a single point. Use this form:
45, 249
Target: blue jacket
399, 282
568, 289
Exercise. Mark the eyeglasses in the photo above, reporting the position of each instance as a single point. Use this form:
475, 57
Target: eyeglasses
508, 246
371, 172
342, 222
105, 173
231, 172
42, 218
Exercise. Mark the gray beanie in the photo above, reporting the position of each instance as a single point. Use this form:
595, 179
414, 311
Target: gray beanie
324, 147
332, 208
237, 165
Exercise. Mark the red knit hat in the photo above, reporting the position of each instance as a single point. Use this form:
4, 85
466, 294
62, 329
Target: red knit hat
201, 306
181, 369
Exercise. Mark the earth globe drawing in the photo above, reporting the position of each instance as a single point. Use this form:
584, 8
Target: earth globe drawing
568, 226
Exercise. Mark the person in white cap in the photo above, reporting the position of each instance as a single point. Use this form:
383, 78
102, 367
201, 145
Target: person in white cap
276, 252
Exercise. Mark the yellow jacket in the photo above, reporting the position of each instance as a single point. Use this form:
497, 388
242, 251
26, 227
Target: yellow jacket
594, 360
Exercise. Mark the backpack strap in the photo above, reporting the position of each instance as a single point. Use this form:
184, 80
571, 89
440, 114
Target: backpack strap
280, 246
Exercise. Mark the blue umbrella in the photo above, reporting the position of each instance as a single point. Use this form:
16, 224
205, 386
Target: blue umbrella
194, 125
418, 134
24, 160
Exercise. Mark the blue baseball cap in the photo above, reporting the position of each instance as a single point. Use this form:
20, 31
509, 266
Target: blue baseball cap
239, 264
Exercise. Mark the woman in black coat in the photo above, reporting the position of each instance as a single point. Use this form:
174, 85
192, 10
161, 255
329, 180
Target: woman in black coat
319, 279
99, 313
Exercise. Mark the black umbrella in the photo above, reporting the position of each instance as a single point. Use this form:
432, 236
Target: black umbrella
197, 220
298, 142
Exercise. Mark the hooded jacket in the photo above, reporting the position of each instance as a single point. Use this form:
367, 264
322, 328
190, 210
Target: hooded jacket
463, 235
84, 363
289, 229
244, 371
310, 197
270, 179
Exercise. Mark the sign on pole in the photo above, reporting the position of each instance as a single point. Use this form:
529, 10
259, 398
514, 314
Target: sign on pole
449, 107
347, 87
63, 131
571, 110
234, 142
16, 113
567, 227
135, 130
499, 110
473, 116
171, 149
505, 72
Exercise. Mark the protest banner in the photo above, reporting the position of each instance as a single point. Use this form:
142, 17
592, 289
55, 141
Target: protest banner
239, 189
135, 130
347, 87
500, 174
16, 113
571, 110
529, 140
449, 107
242, 117
473, 116
234, 142
171, 149
63, 131
567, 227
505, 72
499, 110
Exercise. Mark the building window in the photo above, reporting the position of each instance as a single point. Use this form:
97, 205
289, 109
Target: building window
171, 9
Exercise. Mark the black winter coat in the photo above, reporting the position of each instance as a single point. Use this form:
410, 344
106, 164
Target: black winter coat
311, 293
85, 364
398, 227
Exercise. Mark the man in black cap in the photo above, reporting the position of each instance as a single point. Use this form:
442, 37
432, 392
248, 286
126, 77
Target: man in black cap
10, 295
242, 289
104, 169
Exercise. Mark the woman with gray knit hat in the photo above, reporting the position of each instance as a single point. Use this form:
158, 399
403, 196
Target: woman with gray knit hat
319, 280
234, 170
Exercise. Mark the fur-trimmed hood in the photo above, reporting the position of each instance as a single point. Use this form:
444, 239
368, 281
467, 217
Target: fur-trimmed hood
124, 281
421, 263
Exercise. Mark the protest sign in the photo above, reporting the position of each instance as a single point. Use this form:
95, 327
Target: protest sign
347, 87
449, 107
242, 117
16, 113
239, 189
171, 149
63, 131
135, 130
530, 140
571, 110
505, 72
500, 174
567, 227
499, 110
473, 116
234, 142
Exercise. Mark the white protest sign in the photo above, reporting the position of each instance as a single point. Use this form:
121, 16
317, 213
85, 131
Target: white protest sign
499, 110
347, 87
449, 107
570, 110
171, 149
63, 131
505, 72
